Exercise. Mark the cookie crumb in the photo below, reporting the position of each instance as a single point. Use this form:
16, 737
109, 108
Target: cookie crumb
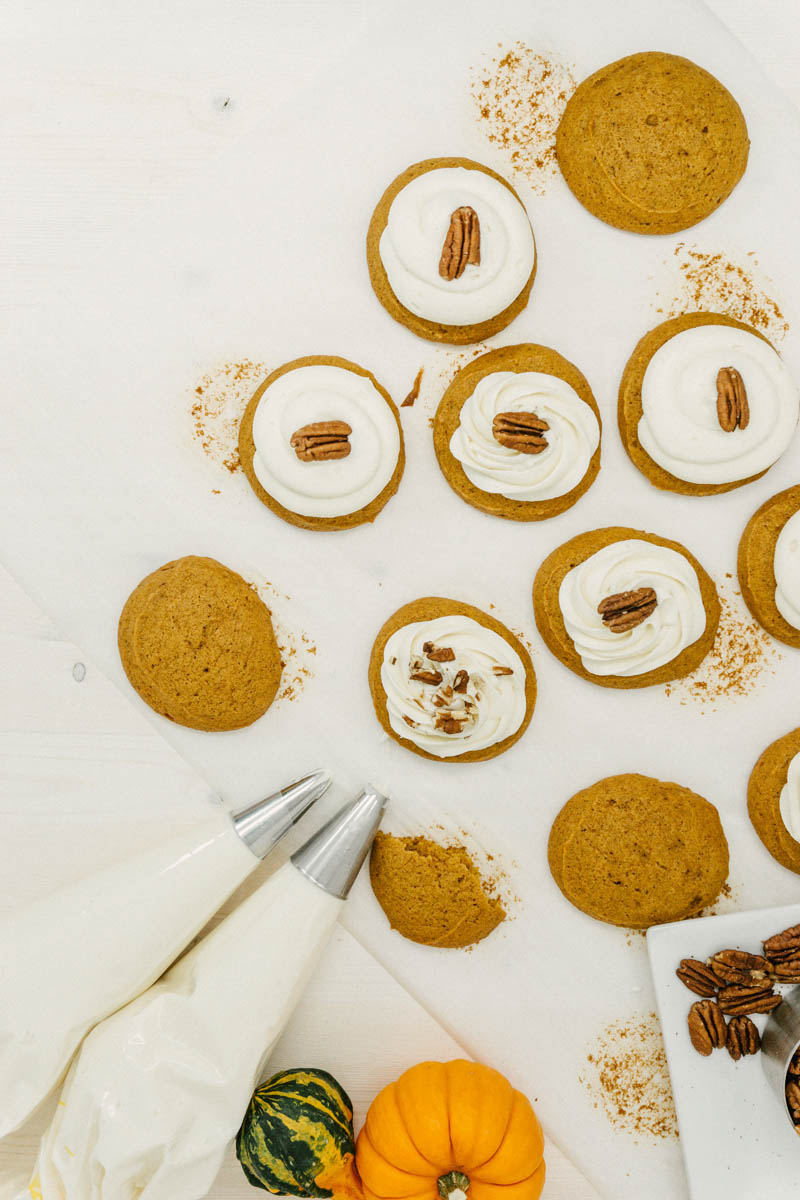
628, 1080
414, 393
218, 402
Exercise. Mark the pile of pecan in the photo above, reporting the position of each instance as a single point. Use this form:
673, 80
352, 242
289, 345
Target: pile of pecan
737, 985
454, 708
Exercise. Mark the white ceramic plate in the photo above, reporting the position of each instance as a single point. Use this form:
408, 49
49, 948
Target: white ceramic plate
736, 1141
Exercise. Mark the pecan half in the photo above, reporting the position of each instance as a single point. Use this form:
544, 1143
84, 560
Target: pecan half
460, 682
706, 1027
793, 1100
743, 1038
737, 966
794, 1065
786, 970
626, 610
738, 1000
434, 677
438, 653
698, 977
783, 945
522, 431
321, 441
462, 245
732, 406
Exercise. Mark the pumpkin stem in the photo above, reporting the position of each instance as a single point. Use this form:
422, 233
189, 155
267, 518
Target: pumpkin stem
454, 1181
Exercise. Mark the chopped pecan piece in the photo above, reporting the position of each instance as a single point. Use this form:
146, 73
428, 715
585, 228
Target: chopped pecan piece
698, 977
706, 1026
438, 653
502, 670
321, 441
739, 999
794, 1065
434, 677
448, 724
793, 1100
462, 245
743, 1038
408, 721
732, 406
460, 682
522, 431
783, 945
737, 966
626, 610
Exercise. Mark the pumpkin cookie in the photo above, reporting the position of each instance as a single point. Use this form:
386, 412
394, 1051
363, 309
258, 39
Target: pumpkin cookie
432, 894
450, 682
450, 251
769, 566
321, 443
633, 851
625, 609
198, 645
705, 405
652, 143
773, 799
517, 433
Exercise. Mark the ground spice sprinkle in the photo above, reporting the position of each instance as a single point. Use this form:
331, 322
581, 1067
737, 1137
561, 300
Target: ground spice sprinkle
627, 1078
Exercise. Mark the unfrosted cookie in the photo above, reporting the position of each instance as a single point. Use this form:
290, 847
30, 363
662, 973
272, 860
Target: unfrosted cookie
198, 646
430, 893
705, 405
769, 565
450, 251
773, 799
517, 433
625, 609
449, 682
321, 443
633, 851
652, 143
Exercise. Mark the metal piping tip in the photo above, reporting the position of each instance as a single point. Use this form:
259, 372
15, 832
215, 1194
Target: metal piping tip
264, 823
332, 858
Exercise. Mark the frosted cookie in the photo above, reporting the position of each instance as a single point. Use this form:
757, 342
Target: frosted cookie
633, 851
432, 894
769, 566
321, 443
652, 143
450, 251
625, 609
705, 405
517, 433
198, 646
450, 682
773, 799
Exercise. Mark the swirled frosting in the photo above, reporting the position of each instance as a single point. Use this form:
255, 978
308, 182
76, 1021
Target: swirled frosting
678, 619
572, 438
790, 799
305, 396
679, 427
411, 246
451, 715
786, 565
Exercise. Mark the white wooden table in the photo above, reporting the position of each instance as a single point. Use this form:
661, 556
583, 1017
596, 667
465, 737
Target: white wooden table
105, 110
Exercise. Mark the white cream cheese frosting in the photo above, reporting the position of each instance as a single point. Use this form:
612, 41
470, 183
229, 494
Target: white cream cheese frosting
332, 488
677, 621
786, 565
790, 799
572, 438
679, 427
411, 246
451, 715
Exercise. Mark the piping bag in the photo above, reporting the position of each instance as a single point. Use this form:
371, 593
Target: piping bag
77, 954
160, 1088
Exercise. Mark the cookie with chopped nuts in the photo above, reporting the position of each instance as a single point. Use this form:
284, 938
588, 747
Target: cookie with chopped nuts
652, 143
756, 563
767, 781
198, 646
449, 682
530, 463
450, 251
608, 628
630, 408
321, 443
635, 851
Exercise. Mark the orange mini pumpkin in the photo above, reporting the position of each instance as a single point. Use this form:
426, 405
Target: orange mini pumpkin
451, 1131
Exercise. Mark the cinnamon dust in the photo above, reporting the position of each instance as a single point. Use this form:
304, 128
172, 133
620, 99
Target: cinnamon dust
217, 403
628, 1080
520, 95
